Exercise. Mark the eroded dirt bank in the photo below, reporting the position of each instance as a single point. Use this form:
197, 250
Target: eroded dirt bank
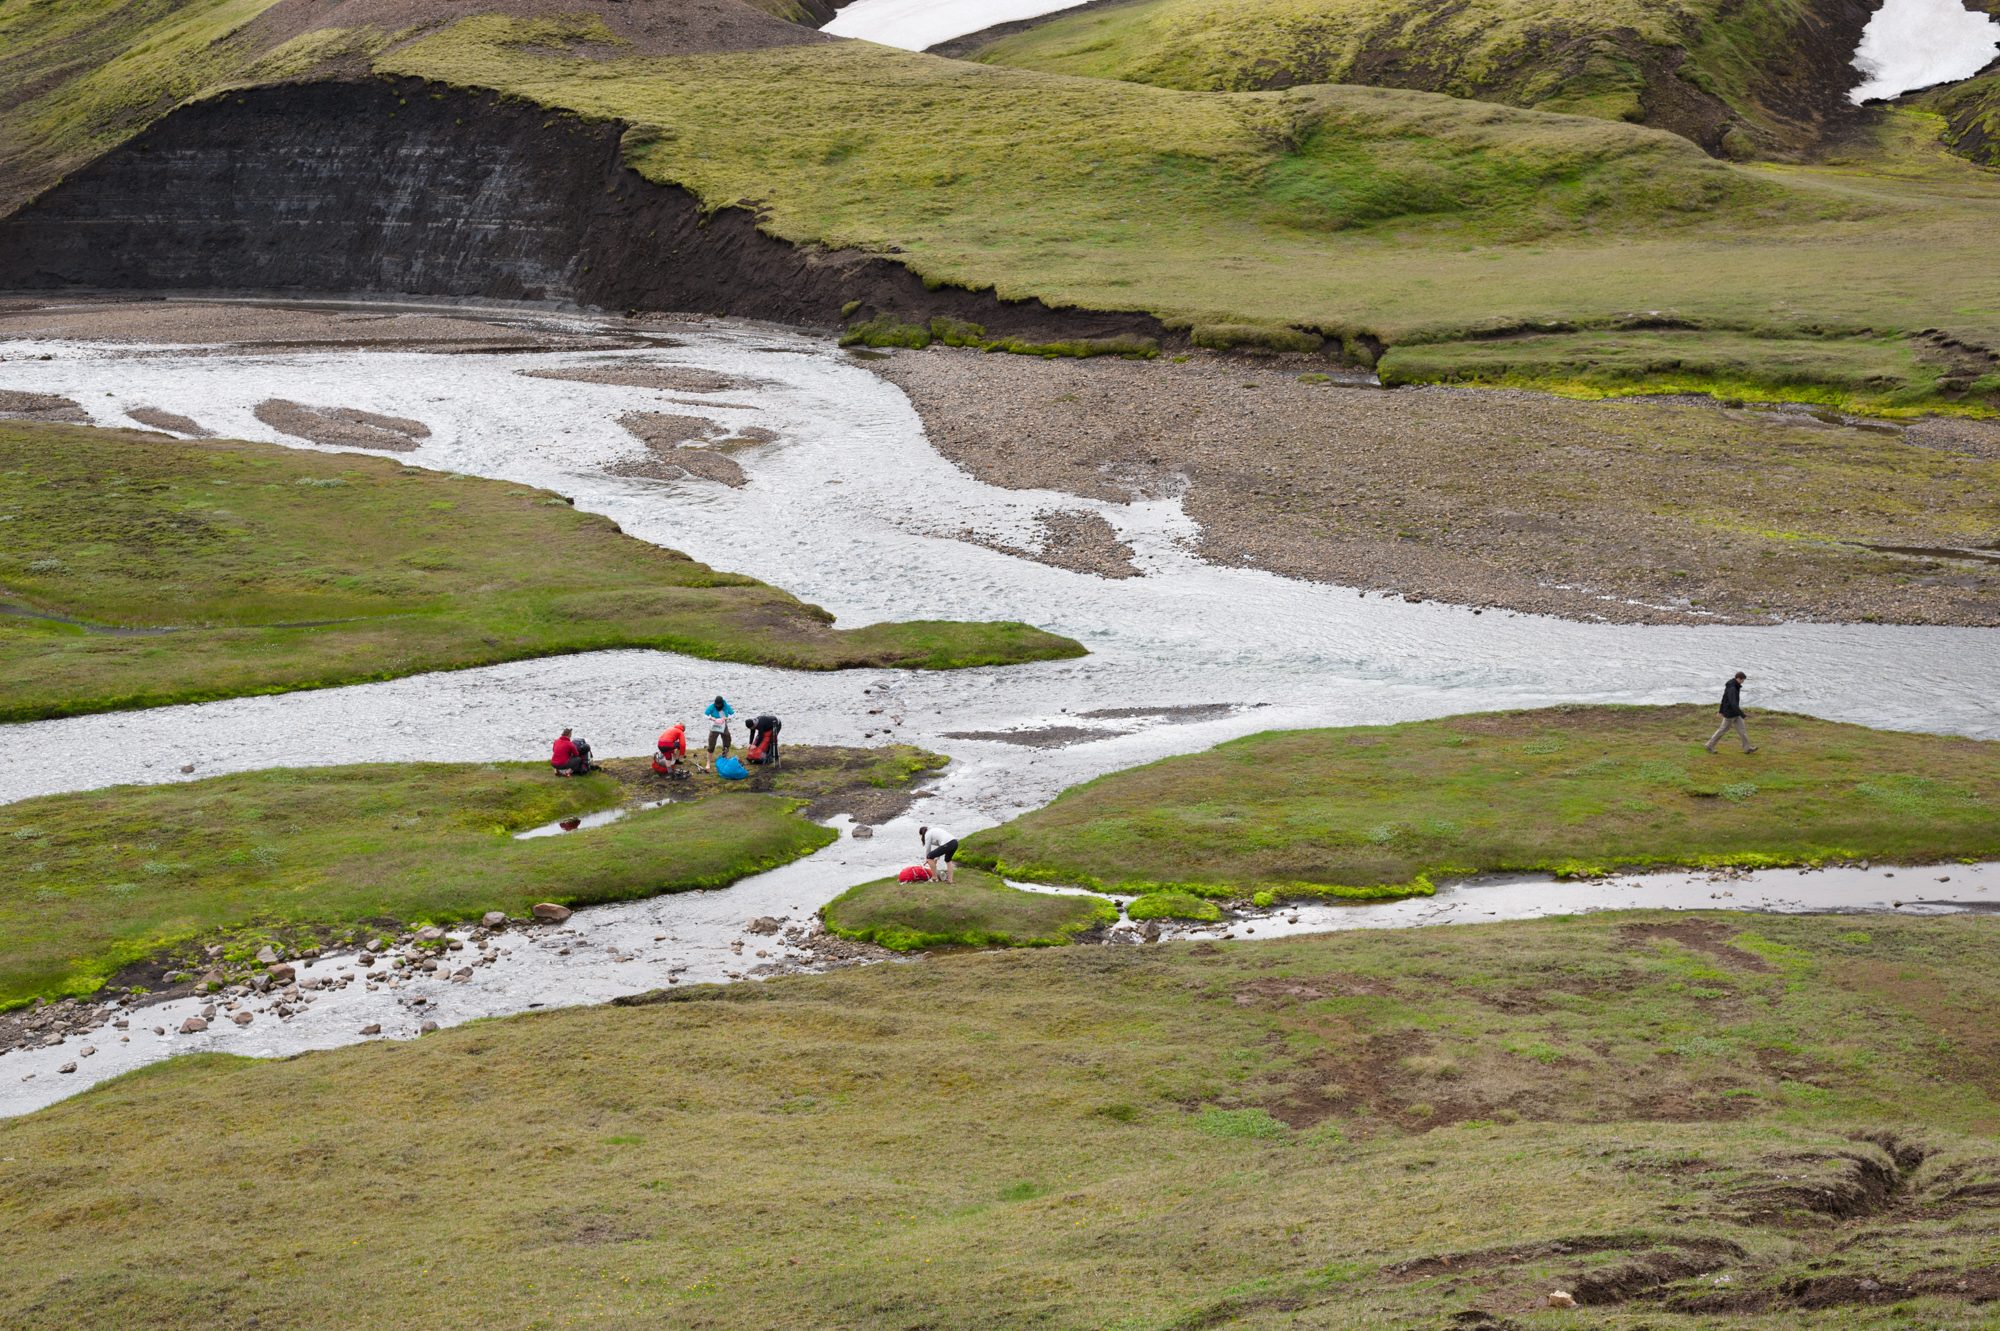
403, 187
1639, 511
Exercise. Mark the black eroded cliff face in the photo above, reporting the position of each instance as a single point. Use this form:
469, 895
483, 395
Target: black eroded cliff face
406, 189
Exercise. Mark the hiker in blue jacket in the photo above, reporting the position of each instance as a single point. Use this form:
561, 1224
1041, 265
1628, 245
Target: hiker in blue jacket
718, 714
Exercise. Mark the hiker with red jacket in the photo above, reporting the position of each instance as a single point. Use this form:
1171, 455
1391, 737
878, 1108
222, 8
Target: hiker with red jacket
671, 748
570, 757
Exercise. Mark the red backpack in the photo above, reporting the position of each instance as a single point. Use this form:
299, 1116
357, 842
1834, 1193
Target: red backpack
916, 873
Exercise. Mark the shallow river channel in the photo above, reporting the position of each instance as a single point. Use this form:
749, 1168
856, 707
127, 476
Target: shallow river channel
848, 505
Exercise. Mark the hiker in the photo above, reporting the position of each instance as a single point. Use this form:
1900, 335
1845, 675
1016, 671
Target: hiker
672, 747
763, 736
718, 714
570, 757
1732, 715
940, 848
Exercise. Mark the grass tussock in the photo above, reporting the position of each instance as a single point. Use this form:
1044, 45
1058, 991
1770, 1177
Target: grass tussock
211, 569
1572, 790
979, 910
1380, 1128
102, 879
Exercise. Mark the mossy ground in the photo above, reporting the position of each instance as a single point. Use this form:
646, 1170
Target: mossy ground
1681, 1117
279, 569
978, 910
1570, 790
96, 881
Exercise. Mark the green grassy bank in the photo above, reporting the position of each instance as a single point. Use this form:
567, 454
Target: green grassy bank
204, 569
96, 881
1379, 810
978, 910
1695, 1121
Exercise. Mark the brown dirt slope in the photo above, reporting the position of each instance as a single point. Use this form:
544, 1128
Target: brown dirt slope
1638, 510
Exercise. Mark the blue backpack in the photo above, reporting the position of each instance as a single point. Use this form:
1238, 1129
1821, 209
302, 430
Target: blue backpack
729, 769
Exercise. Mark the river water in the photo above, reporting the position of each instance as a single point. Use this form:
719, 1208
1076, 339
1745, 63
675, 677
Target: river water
850, 507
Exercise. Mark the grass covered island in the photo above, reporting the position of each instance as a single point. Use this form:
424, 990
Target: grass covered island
1687, 1121
138, 570
1372, 811
979, 910
97, 881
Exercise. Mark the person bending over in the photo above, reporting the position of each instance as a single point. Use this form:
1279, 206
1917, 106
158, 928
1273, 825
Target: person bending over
763, 731
940, 850
670, 750
718, 714
570, 757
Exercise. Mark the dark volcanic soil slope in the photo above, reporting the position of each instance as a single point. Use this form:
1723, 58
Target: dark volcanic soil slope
402, 187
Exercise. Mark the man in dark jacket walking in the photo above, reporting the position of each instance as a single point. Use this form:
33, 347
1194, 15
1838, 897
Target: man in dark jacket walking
1732, 715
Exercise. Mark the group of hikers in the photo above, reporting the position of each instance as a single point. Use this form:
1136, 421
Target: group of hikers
571, 755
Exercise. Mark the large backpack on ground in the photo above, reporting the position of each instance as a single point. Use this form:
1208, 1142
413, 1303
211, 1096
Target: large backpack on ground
916, 873
729, 769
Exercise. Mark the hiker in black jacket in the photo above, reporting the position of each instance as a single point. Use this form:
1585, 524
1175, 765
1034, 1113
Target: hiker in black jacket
1732, 715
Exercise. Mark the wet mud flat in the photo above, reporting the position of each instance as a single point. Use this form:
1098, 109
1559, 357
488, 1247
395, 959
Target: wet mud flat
1641, 511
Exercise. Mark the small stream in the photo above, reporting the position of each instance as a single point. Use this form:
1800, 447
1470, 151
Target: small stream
848, 505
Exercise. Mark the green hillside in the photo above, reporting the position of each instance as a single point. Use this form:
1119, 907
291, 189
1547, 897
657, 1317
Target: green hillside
1702, 68
1358, 216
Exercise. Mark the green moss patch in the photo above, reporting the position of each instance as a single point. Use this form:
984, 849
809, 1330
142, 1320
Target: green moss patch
199, 570
1380, 810
1173, 906
979, 910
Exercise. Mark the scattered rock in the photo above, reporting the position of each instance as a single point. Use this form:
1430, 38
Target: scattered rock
430, 933
187, 769
86, 1051
283, 973
372, 1028
550, 913
494, 919
193, 1024
242, 1019
67, 1067
1560, 1298
862, 832
267, 955
763, 924
427, 1028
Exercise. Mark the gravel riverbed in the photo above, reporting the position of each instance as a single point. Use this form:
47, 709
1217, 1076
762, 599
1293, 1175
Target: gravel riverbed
1635, 511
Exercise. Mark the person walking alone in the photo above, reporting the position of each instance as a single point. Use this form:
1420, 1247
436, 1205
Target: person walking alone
1732, 715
